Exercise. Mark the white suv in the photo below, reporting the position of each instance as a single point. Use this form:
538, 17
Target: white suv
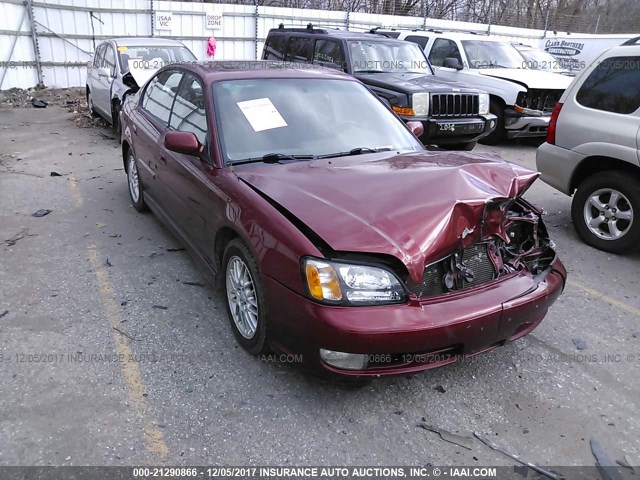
521, 98
593, 149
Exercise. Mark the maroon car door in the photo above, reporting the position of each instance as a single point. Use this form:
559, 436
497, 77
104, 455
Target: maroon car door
185, 176
150, 121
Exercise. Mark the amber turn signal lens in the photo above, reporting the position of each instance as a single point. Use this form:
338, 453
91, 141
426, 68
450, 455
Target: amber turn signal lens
322, 281
404, 111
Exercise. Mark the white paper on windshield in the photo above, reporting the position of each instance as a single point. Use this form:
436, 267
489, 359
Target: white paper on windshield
261, 114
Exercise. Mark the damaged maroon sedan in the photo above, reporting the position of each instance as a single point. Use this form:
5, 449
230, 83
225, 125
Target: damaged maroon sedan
336, 236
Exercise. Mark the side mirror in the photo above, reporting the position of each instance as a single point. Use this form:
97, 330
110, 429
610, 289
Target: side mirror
452, 62
183, 142
416, 128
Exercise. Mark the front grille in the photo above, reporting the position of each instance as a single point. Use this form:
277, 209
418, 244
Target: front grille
454, 105
538, 99
474, 258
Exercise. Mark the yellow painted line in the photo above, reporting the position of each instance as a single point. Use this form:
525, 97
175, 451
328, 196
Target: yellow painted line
75, 191
153, 436
610, 300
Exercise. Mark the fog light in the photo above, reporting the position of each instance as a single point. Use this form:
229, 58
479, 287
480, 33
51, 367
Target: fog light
492, 124
346, 361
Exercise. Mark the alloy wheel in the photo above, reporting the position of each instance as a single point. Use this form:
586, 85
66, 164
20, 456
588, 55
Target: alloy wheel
241, 296
608, 214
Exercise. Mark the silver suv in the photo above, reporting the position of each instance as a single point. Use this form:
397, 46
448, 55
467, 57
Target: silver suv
592, 150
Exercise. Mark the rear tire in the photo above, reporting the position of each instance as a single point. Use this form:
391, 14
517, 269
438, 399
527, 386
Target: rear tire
245, 297
136, 190
606, 211
499, 134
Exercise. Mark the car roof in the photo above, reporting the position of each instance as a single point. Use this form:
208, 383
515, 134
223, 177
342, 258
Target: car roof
333, 32
145, 42
240, 69
446, 34
623, 50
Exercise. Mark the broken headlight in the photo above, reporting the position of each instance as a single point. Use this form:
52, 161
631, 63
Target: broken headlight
351, 284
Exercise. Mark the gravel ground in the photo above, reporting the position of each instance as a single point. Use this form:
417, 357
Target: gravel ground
81, 287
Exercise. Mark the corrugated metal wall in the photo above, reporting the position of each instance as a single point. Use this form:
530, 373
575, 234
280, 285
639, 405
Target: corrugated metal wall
68, 30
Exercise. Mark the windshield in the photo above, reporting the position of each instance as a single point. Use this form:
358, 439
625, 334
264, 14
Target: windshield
487, 54
152, 57
380, 56
306, 117
540, 60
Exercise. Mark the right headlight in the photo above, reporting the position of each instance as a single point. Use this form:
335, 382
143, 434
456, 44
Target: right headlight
340, 283
483, 104
420, 104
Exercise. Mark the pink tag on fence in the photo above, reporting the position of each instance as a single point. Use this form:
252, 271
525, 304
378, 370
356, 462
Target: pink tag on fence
211, 46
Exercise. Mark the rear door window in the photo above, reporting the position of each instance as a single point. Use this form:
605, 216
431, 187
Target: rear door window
329, 53
614, 86
299, 49
418, 39
443, 48
275, 47
159, 95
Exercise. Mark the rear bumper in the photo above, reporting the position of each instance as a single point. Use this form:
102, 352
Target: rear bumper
450, 131
415, 336
518, 125
556, 165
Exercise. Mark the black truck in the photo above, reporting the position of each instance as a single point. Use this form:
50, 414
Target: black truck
454, 115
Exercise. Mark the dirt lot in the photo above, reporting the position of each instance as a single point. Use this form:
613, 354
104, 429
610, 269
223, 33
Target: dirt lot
113, 351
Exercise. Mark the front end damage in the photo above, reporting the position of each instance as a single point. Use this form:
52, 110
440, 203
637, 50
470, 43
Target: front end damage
513, 239
530, 115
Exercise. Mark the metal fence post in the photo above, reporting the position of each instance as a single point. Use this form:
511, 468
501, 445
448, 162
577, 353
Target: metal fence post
348, 20
153, 16
424, 14
255, 15
34, 39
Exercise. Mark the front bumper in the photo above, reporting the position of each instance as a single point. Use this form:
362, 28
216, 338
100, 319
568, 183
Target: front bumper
448, 131
518, 125
414, 336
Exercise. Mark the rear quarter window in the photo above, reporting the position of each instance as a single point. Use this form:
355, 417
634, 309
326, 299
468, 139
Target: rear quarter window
298, 49
418, 40
613, 86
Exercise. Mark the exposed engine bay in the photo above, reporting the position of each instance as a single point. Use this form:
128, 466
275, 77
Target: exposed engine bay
513, 238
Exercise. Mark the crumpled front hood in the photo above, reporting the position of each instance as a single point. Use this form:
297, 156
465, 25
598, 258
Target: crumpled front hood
531, 78
417, 207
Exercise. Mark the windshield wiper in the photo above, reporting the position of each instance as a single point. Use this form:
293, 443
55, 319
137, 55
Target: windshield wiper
272, 158
356, 151
369, 71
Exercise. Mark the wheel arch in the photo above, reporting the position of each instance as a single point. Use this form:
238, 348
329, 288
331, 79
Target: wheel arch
223, 236
597, 164
125, 151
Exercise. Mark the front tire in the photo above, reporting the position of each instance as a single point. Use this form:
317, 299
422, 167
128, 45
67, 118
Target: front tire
245, 298
606, 211
92, 110
136, 190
